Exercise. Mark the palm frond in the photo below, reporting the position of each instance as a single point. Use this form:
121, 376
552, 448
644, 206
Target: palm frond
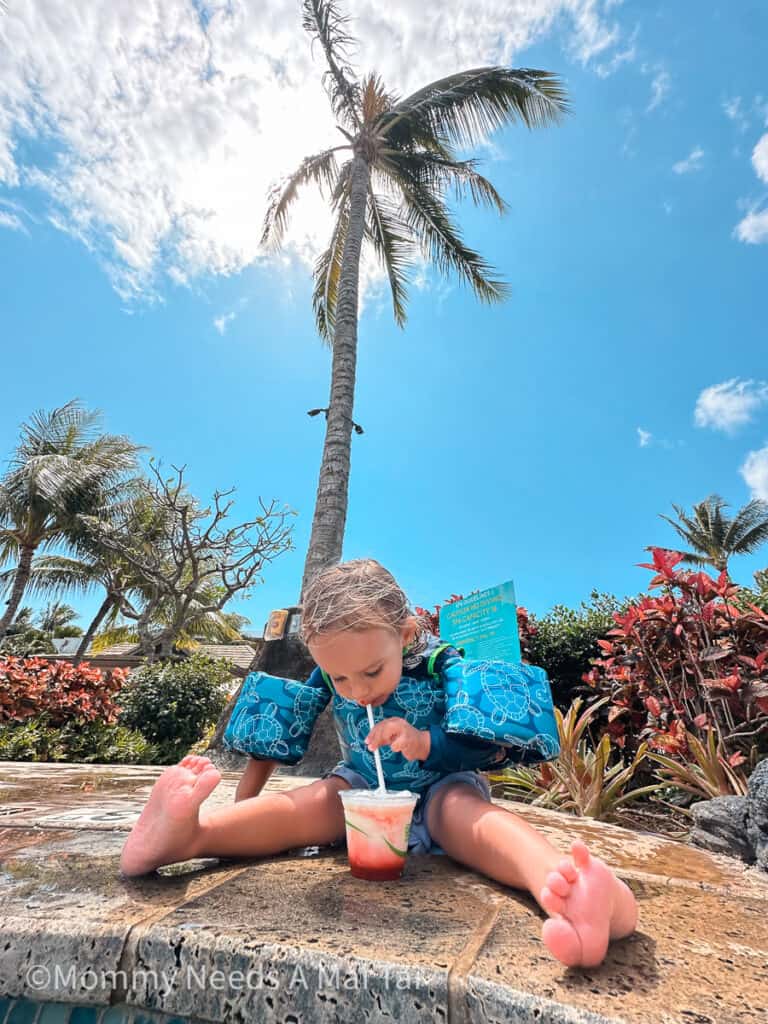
428, 219
325, 23
322, 169
439, 174
686, 528
327, 272
393, 244
748, 530
467, 107
114, 634
56, 575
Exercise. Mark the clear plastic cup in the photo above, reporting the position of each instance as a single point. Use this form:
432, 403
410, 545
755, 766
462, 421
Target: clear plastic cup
377, 831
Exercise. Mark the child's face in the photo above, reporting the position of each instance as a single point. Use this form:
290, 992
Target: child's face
365, 666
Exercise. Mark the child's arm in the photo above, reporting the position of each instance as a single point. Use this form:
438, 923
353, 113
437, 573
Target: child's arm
254, 778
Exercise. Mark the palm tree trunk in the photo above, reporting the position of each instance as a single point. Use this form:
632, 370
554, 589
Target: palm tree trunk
330, 514
20, 581
100, 614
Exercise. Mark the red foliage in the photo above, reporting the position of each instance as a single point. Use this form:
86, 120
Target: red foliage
688, 660
526, 630
432, 619
59, 690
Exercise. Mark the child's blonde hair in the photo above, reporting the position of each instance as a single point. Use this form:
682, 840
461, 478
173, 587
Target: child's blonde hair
359, 594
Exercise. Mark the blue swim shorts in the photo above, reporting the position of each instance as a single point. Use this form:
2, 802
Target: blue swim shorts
419, 839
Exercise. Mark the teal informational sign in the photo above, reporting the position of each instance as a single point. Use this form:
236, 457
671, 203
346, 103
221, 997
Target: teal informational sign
484, 624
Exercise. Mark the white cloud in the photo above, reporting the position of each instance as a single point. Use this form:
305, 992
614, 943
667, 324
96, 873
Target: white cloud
760, 158
660, 87
10, 220
667, 207
162, 130
644, 437
222, 322
622, 57
733, 111
760, 107
691, 163
753, 228
730, 405
755, 473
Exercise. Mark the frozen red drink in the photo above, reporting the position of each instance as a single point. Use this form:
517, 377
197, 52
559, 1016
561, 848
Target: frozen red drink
377, 831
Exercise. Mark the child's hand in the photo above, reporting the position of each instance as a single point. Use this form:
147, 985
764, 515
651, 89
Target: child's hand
401, 736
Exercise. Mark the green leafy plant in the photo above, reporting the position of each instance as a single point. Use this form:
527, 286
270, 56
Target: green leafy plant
581, 780
712, 773
565, 640
86, 742
173, 703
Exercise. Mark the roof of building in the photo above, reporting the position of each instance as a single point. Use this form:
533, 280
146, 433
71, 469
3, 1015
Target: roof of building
67, 644
241, 655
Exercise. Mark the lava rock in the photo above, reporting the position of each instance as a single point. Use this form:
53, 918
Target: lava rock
721, 827
757, 813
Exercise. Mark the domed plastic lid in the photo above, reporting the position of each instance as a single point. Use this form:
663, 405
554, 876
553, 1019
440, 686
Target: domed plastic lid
375, 797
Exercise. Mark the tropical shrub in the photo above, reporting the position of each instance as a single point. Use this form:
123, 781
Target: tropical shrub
172, 703
91, 742
689, 663
57, 690
581, 780
26, 643
565, 641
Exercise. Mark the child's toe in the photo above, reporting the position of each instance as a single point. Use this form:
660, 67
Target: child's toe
557, 883
580, 854
567, 870
552, 903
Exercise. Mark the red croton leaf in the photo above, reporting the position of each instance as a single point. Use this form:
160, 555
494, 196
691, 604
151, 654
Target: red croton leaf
653, 706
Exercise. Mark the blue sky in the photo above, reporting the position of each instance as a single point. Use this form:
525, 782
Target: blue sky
535, 441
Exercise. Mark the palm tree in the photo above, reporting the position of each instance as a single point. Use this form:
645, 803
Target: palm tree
58, 618
715, 537
63, 467
402, 161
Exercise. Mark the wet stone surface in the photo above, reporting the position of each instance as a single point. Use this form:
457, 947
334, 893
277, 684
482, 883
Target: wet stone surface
297, 938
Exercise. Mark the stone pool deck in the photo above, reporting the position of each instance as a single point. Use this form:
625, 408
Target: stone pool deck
296, 939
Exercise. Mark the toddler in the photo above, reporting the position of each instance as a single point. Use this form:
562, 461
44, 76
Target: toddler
371, 649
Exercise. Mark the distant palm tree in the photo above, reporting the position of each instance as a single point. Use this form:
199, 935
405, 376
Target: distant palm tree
58, 618
716, 537
63, 466
391, 192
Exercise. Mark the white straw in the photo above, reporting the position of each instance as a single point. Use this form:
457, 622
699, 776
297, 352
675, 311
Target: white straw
376, 754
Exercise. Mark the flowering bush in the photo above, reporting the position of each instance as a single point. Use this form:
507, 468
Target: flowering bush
57, 690
688, 663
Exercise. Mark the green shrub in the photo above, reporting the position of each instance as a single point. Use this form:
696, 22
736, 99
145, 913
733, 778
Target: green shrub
565, 640
26, 644
89, 742
173, 703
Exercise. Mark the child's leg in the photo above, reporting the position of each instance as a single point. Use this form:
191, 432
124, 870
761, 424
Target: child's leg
589, 904
170, 828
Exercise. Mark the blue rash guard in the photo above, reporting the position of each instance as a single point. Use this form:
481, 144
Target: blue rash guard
419, 698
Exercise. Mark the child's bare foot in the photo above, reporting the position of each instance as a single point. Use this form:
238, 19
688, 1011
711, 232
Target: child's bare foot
590, 906
167, 826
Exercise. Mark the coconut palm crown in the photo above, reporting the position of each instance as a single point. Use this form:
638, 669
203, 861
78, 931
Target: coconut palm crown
63, 467
401, 161
714, 536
